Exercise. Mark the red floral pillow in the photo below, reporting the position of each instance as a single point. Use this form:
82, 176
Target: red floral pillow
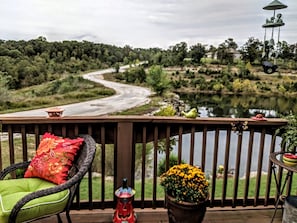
53, 158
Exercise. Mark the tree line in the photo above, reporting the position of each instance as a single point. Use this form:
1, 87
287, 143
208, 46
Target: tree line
26, 63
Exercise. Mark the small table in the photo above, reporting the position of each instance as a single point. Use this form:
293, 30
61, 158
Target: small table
275, 158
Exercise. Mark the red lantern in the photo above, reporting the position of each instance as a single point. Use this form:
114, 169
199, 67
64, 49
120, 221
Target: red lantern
124, 212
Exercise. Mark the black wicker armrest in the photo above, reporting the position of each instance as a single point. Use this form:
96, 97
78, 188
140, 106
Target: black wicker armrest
13, 167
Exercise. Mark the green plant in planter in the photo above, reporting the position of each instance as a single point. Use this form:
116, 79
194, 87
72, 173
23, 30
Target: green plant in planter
289, 133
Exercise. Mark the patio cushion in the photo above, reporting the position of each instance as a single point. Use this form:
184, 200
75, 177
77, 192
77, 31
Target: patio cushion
53, 158
11, 191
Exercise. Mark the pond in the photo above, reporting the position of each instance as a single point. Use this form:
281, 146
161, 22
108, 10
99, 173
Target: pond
236, 107
240, 106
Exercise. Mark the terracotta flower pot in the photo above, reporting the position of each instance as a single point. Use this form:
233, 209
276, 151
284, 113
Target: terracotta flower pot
185, 212
55, 112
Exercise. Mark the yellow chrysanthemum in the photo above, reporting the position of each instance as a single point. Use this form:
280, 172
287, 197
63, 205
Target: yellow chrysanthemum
186, 183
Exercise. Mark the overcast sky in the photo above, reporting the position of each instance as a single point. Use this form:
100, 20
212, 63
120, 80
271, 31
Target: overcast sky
143, 23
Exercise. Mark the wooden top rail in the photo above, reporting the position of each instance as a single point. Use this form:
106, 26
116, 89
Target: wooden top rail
135, 118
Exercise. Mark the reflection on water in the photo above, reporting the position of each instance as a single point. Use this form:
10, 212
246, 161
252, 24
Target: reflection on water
240, 106
221, 153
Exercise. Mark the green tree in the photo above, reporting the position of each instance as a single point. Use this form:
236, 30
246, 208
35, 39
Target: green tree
213, 50
179, 52
226, 51
117, 67
251, 50
158, 79
135, 74
4, 93
284, 51
197, 52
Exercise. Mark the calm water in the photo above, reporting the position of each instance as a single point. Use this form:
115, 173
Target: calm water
239, 106
233, 106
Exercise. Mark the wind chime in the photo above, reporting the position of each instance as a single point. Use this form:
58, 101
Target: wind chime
271, 49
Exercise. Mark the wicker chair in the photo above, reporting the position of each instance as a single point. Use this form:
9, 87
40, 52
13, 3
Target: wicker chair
81, 166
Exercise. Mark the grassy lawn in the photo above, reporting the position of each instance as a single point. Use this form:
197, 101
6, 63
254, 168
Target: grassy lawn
160, 192
69, 90
18, 150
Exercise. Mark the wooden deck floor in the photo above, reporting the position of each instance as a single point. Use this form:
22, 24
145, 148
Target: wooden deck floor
213, 215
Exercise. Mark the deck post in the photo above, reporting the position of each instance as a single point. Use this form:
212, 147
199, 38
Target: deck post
124, 152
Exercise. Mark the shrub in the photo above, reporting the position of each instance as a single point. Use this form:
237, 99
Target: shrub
173, 160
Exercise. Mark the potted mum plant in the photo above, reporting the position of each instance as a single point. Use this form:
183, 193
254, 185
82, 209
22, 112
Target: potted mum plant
187, 192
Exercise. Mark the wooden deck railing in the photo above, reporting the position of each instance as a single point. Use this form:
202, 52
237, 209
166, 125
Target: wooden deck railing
131, 147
